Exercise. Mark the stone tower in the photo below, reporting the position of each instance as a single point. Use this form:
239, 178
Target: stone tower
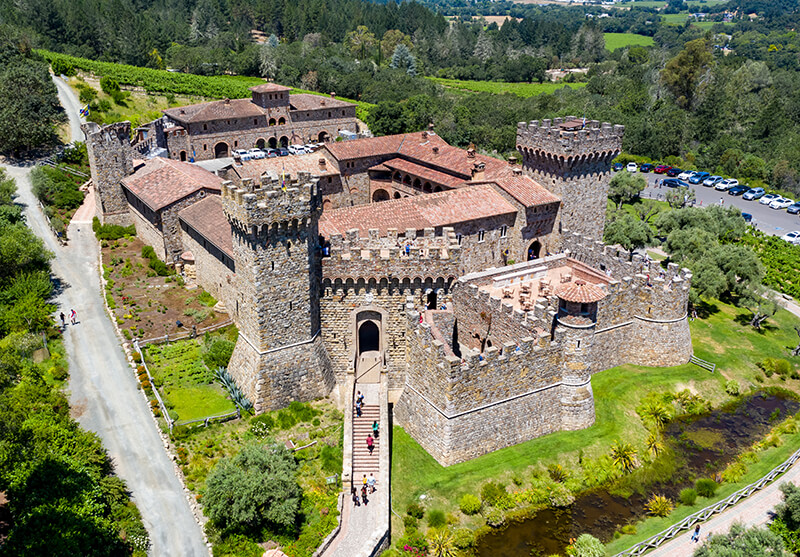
572, 160
279, 356
110, 159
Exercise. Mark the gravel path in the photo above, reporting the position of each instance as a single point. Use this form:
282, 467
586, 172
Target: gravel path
72, 106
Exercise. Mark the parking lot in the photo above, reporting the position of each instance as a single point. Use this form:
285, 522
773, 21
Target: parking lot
770, 221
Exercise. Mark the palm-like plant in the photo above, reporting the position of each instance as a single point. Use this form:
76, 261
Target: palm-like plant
658, 505
658, 412
623, 456
441, 543
654, 444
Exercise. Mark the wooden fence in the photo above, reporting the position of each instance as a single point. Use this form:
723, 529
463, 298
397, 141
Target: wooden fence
182, 336
160, 400
703, 363
702, 515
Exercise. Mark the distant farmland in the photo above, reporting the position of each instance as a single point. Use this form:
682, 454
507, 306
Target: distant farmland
620, 40
499, 87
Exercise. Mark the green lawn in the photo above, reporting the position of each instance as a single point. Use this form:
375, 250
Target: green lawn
189, 388
693, 6
621, 40
717, 336
498, 87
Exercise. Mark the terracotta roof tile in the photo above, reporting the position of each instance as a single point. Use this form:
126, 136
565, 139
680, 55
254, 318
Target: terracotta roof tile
421, 211
269, 88
423, 172
580, 292
161, 182
208, 219
215, 110
253, 169
307, 101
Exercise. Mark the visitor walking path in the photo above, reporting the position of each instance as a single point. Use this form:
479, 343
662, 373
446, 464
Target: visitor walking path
360, 523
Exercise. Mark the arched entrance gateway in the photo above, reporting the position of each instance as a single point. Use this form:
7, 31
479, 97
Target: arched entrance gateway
380, 195
369, 337
273, 142
369, 345
220, 150
534, 250
323, 137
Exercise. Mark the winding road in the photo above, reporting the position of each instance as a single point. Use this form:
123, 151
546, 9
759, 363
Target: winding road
104, 394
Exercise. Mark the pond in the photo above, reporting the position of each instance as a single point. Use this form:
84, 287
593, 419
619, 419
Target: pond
705, 444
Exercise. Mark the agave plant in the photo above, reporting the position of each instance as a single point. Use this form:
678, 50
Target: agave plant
658, 505
237, 396
442, 543
623, 455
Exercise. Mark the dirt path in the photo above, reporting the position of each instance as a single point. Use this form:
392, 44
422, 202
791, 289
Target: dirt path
104, 390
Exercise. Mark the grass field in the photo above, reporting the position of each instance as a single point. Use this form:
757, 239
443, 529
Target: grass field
621, 40
721, 336
498, 87
680, 19
694, 6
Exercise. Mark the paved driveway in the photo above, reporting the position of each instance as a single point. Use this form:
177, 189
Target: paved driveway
103, 390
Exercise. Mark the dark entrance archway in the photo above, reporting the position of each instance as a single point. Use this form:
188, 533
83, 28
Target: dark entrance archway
431, 300
220, 150
369, 337
323, 137
273, 142
260, 143
380, 195
284, 141
534, 250
183, 155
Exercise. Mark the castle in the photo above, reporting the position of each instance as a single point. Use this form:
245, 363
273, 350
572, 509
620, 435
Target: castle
476, 291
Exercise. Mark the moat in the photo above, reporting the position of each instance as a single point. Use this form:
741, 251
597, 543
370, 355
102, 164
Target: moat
704, 446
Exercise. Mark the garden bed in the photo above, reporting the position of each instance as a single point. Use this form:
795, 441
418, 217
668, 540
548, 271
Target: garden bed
722, 335
320, 423
145, 304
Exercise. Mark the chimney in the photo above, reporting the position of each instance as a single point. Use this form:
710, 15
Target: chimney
435, 150
470, 153
227, 100
424, 136
182, 111
517, 172
477, 171
512, 160
322, 102
333, 95
322, 162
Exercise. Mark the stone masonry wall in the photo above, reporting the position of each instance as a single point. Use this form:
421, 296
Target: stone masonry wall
212, 274
110, 160
148, 233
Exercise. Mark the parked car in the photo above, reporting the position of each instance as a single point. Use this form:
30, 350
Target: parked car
257, 153
686, 174
698, 177
753, 194
646, 167
661, 169
242, 154
617, 166
673, 171
712, 181
781, 203
737, 190
794, 208
768, 198
792, 237
631, 167
674, 183
747, 217
272, 153
725, 185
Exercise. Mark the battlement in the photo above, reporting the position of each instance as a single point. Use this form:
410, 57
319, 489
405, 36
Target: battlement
569, 137
119, 132
275, 201
395, 255
536, 321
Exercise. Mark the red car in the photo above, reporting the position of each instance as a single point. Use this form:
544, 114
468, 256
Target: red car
661, 168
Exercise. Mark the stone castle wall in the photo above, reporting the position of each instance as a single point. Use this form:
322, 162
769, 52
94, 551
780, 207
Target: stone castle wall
110, 160
211, 270
574, 165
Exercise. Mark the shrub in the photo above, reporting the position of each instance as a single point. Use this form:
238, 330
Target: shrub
436, 518
491, 492
495, 518
463, 538
206, 299
136, 357
560, 496
706, 487
148, 252
557, 473
587, 546
734, 473
658, 505
218, 354
688, 496
111, 232
62, 67
628, 529
469, 504
109, 86
416, 510
732, 387
409, 522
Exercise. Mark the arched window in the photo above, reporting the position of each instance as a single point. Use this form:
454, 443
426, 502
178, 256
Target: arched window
281, 121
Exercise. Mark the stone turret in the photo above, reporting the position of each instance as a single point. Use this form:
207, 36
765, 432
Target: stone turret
279, 356
110, 159
572, 158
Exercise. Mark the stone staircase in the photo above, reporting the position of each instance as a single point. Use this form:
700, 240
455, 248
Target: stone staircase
363, 462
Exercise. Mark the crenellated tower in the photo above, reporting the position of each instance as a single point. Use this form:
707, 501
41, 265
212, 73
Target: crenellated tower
572, 158
111, 160
279, 356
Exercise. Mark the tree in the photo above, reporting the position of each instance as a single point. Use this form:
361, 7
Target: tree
753, 542
625, 187
796, 350
403, 59
360, 42
391, 39
629, 232
484, 48
683, 74
386, 118
787, 517
680, 197
586, 546
255, 488
762, 303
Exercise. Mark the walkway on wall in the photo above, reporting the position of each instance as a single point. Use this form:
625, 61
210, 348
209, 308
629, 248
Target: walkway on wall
364, 528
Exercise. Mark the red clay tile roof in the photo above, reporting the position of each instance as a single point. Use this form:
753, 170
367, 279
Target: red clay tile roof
425, 173
253, 169
306, 101
208, 219
431, 210
215, 110
580, 292
161, 182
269, 88
445, 160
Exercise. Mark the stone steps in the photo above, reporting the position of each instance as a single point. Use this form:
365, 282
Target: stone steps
363, 462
